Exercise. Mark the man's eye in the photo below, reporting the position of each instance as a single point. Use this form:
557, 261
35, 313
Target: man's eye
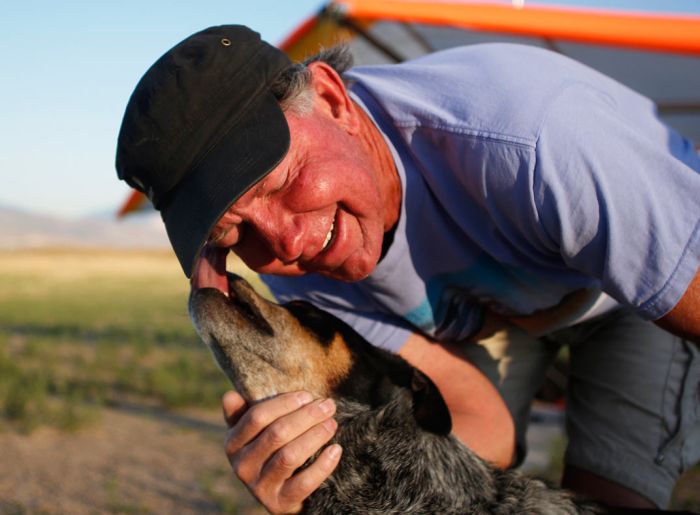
216, 236
227, 237
240, 229
283, 183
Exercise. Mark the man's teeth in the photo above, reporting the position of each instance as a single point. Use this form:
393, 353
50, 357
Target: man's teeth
329, 236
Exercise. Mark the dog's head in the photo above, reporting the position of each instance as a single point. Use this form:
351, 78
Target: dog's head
266, 348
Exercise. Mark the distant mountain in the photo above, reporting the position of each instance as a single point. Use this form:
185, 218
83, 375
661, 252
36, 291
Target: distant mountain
23, 229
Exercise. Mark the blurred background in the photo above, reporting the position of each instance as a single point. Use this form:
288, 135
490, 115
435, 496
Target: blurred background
108, 401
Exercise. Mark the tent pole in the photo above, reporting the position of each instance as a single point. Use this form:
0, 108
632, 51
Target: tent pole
385, 49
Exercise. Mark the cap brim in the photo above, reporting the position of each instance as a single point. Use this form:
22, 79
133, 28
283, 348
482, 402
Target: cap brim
242, 157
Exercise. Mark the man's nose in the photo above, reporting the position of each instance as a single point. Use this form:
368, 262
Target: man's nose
283, 235
288, 245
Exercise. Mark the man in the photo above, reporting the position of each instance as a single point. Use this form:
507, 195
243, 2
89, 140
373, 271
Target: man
480, 206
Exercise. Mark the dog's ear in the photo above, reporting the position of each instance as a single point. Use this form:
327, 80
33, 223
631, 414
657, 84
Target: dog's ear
429, 408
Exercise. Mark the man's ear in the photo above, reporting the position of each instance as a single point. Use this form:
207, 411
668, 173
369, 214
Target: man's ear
332, 96
429, 408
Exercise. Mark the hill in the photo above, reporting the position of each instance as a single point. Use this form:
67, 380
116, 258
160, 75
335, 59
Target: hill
22, 229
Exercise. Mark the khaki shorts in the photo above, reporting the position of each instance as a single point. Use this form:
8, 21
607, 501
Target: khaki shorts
633, 400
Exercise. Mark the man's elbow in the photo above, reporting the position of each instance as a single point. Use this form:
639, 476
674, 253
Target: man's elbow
684, 319
489, 433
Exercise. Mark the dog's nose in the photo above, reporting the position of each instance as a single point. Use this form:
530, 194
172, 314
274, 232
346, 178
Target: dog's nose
210, 269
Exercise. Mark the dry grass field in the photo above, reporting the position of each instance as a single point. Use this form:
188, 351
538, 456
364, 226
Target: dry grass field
108, 401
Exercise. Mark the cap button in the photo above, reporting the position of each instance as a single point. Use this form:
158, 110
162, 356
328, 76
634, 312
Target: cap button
225, 41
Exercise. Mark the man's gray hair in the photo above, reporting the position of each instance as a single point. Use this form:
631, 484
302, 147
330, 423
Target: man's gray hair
292, 87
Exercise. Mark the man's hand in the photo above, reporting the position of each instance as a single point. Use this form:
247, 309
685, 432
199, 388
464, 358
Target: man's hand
267, 442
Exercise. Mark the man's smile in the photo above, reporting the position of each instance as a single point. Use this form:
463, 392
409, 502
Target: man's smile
329, 236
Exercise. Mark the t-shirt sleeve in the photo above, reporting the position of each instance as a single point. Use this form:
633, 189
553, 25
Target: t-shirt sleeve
346, 301
617, 193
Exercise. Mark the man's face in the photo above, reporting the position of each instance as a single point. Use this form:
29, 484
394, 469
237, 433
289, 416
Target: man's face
322, 209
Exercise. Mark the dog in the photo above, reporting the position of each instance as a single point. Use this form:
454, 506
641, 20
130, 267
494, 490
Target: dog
399, 456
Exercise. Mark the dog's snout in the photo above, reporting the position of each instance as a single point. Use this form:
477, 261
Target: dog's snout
250, 311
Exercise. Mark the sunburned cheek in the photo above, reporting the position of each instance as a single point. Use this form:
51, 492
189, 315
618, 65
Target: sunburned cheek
313, 191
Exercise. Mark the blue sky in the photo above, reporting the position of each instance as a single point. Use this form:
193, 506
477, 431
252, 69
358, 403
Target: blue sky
69, 67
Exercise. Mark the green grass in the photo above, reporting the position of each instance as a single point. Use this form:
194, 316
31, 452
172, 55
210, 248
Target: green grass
84, 329
80, 329
116, 503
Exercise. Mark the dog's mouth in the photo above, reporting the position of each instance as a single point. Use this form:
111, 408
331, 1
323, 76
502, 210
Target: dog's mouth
210, 274
235, 323
260, 345
210, 270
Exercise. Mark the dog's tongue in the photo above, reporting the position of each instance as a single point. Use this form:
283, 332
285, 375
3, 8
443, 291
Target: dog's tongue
210, 269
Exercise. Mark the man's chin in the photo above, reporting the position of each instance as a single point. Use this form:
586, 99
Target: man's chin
279, 269
350, 271
350, 274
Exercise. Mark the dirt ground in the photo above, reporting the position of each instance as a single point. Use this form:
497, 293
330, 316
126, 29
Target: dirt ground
69, 308
140, 459
135, 460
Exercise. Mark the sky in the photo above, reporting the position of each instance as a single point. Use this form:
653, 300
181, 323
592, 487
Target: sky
68, 69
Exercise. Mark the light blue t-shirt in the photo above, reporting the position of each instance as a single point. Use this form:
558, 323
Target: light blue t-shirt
532, 185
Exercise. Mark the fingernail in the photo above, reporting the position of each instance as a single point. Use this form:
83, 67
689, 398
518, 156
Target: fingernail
327, 406
334, 451
330, 425
304, 398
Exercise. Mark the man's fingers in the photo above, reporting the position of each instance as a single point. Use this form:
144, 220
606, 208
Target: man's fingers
234, 407
287, 459
287, 428
275, 449
269, 441
259, 416
305, 482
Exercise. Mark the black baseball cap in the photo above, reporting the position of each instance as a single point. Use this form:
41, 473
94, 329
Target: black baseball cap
201, 128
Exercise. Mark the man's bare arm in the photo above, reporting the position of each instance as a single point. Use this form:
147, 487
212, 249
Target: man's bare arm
684, 319
479, 416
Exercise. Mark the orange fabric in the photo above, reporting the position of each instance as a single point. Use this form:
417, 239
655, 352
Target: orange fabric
297, 35
671, 33
315, 33
135, 202
644, 31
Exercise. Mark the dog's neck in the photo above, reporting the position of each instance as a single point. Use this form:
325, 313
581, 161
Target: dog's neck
390, 465
390, 453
